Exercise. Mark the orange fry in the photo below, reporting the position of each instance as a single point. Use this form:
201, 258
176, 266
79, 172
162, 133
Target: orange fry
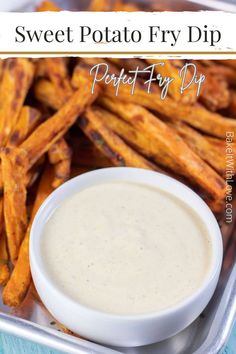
137, 139
46, 93
58, 74
4, 268
28, 119
81, 71
110, 144
214, 92
230, 63
16, 80
1, 68
127, 64
201, 146
60, 156
197, 116
99, 5
232, 103
168, 69
40, 69
120, 6
47, 5
55, 127
225, 72
190, 164
19, 282
218, 143
1, 210
14, 199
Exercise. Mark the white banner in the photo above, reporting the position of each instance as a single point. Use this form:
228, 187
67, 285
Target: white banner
110, 34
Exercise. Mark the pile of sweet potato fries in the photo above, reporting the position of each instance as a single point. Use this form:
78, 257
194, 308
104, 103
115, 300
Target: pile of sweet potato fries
52, 128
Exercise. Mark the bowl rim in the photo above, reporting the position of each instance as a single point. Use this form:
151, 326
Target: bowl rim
214, 232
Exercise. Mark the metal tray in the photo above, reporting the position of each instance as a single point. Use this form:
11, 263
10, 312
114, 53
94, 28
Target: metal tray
206, 335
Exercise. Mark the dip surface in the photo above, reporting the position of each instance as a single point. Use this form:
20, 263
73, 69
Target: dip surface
126, 248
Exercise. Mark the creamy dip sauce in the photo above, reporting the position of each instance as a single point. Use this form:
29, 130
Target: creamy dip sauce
126, 248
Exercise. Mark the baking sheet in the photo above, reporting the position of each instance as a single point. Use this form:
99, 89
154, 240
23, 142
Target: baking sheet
207, 334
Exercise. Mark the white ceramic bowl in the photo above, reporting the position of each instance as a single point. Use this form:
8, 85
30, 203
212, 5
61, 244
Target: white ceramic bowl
134, 330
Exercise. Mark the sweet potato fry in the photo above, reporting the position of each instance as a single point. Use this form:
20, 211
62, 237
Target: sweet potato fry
160, 7
99, 5
86, 155
137, 139
1, 68
221, 147
232, 103
201, 146
141, 142
14, 199
59, 151
170, 70
1, 199
47, 5
4, 268
220, 144
190, 164
40, 69
81, 71
19, 282
62, 170
197, 116
1, 211
55, 127
214, 93
35, 171
28, 119
17, 78
58, 74
226, 72
127, 64
231, 63
110, 144
121, 6
60, 156
78, 74
46, 93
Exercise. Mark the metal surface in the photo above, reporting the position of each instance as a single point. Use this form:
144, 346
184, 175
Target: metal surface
223, 320
207, 334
